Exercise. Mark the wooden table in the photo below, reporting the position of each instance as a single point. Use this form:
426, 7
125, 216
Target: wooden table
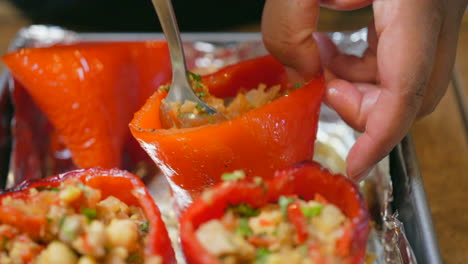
441, 142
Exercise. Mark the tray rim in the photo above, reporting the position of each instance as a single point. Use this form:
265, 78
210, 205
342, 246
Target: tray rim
406, 154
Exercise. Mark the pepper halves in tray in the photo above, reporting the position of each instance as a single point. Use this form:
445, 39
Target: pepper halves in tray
305, 214
89, 92
83, 216
270, 137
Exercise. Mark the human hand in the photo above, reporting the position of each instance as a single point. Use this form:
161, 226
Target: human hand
401, 77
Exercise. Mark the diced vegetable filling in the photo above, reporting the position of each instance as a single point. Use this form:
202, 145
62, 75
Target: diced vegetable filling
243, 102
290, 231
76, 226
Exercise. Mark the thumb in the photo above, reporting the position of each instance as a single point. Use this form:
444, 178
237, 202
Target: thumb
287, 28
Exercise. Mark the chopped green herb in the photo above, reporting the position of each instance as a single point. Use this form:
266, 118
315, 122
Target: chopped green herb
245, 210
284, 202
135, 257
198, 85
259, 181
303, 250
4, 241
195, 76
199, 107
211, 119
91, 214
298, 85
144, 226
163, 88
107, 248
243, 228
233, 176
62, 221
261, 255
48, 188
311, 211
201, 94
49, 219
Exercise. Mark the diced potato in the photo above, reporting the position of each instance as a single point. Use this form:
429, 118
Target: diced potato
71, 228
4, 259
259, 97
188, 107
87, 260
117, 255
122, 233
329, 219
285, 256
285, 233
215, 238
54, 215
111, 207
22, 246
220, 241
57, 253
95, 237
136, 213
70, 193
266, 222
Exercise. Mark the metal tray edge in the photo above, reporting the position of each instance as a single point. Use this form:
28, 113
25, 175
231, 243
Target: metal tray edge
414, 212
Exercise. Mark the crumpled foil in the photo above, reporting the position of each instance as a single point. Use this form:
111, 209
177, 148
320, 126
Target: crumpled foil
207, 52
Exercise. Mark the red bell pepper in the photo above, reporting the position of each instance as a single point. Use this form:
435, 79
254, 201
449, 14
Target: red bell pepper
118, 183
89, 92
260, 141
299, 221
304, 180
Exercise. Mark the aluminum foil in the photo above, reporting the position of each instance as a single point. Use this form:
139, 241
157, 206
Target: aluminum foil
205, 53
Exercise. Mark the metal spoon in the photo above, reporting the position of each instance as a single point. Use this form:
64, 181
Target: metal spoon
180, 90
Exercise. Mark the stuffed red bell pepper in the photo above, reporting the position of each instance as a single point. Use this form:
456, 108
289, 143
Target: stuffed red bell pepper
305, 214
272, 125
83, 216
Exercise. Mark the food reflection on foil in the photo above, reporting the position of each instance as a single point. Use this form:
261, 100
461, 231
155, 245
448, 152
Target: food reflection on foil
32, 156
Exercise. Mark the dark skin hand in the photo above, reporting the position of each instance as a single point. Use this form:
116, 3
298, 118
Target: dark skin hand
401, 77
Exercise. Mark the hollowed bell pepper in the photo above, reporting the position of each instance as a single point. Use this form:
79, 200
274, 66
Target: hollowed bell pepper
89, 92
304, 180
118, 183
260, 141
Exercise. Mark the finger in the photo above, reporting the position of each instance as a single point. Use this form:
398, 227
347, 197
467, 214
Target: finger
405, 59
328, 49
346, 4
443, 66
355, 69
387, 123
287, 28
352, 101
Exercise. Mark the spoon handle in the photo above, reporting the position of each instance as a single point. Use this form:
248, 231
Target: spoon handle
169, 25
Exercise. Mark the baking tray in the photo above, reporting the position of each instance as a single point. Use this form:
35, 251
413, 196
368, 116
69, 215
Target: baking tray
409, 204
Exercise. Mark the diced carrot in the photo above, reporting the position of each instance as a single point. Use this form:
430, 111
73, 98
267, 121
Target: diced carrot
260, 241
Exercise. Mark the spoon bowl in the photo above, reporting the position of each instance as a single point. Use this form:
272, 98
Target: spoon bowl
180, 90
